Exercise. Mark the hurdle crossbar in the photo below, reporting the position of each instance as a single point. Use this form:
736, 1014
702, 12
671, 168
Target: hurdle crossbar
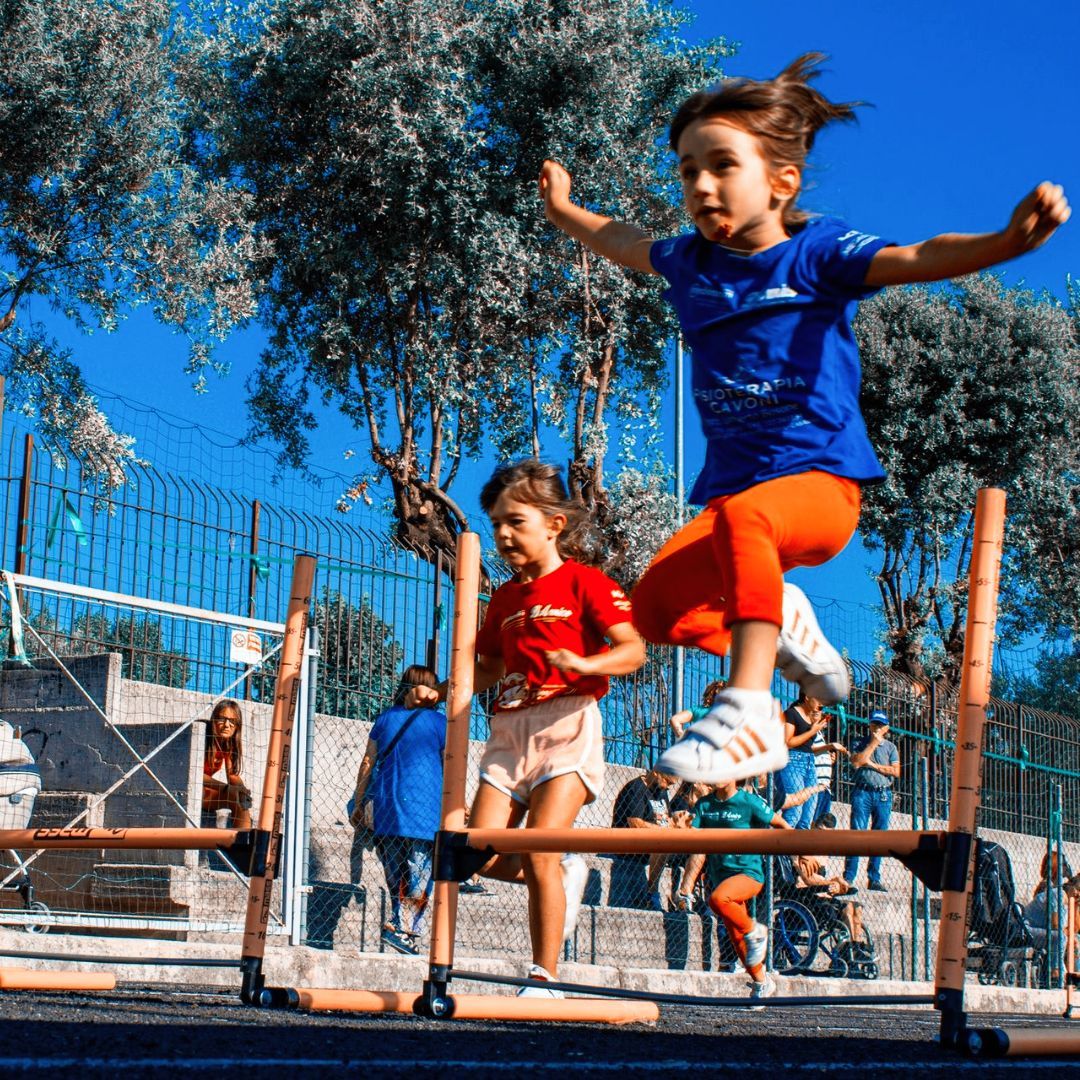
480, 1006
706, 841
1022, 1042
145, 838
102, 958
619, 992
25, 979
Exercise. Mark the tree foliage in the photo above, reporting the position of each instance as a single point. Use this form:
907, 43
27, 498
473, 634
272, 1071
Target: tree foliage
102, 208
361, 659
1052, 685
139, 641
391, 149
968, 386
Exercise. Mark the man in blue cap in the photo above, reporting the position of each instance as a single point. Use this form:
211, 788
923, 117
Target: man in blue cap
876, 762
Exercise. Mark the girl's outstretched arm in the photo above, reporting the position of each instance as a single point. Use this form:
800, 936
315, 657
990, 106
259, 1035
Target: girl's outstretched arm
625, 244
950, 255
626, 655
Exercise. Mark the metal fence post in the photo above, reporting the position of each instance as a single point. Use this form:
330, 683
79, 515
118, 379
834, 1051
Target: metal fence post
1022, 784
1054, 920
915, 802
924, 774
305, 797
22, 523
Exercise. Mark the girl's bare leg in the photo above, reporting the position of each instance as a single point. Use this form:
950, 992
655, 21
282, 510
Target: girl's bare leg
494, 809
753, 655
554, 805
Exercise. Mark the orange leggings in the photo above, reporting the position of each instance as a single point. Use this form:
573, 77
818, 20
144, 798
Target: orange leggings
727, 565
728, 900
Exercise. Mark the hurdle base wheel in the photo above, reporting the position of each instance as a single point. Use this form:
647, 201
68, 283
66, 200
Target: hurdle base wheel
38, 908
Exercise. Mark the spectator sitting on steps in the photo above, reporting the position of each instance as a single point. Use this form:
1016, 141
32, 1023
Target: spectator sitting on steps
224, 753
643, 803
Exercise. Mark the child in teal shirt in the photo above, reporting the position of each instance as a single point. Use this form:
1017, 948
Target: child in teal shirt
736, 879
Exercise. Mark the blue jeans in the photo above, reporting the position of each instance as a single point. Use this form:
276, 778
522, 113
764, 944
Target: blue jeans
871, 806
800, 772
406, 863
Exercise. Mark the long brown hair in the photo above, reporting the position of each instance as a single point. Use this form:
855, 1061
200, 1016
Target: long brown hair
233, 746
539, 484
784, 114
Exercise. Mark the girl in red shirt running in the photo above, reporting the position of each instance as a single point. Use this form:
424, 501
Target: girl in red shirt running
545, 641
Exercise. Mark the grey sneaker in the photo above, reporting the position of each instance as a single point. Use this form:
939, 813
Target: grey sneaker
804, 655
759, 990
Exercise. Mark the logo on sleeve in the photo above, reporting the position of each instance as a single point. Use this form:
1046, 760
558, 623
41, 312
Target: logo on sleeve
851, 243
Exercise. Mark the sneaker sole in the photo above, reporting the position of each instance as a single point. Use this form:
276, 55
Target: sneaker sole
817, 678
768, 762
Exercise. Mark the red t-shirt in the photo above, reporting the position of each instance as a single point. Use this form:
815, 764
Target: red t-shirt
570, 608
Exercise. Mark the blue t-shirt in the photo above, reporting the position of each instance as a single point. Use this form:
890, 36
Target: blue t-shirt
775, 365
406, 793
744, 810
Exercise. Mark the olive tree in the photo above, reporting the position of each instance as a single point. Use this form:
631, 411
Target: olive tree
391, 150
970, 385
102, 207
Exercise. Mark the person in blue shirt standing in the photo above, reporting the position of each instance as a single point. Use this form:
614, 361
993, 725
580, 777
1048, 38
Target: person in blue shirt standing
401, 776
876, 762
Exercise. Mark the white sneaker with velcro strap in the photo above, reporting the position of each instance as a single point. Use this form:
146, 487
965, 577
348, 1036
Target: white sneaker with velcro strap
742, 735
804, 655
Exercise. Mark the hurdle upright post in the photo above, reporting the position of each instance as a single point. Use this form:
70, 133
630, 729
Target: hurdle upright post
267, 836
968, 763
433, 1000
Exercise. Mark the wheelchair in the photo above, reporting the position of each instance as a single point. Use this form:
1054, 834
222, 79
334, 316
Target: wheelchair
810, 936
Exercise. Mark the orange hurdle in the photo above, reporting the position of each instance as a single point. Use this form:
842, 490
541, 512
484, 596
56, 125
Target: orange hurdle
80, 839
484, 1006
1022, 1042
24, 979
272, 803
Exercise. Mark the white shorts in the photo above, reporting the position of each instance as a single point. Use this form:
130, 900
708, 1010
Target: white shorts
529, 746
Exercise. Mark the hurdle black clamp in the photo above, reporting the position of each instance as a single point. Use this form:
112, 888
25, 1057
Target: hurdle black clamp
927, 862
252, 980
455, 860
954, 1029
435, 1002
250, 851
957, 860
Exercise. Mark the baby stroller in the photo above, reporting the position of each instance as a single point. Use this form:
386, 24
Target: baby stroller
1001, 945
20, 782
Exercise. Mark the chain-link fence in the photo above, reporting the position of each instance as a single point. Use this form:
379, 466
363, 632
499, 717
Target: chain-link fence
633, 913
179, 543
99, 697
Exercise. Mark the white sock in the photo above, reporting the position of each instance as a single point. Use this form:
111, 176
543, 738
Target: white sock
751, 700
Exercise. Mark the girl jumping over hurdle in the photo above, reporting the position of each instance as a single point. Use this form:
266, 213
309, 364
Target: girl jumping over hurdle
765, 294
544, 640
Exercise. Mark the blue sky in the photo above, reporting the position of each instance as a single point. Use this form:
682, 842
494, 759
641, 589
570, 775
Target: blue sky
973, 104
